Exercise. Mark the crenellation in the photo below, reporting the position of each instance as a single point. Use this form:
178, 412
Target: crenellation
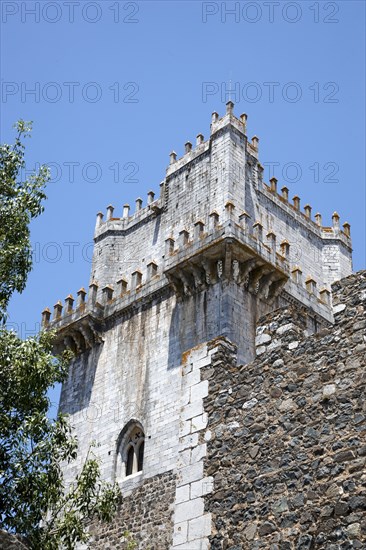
285, 191
187, 147
214, 218
57, 310
107, 294
325, 296
244, 119
93, 292
126, 211
199, 139
296, 273
99, 220
81, 294
347, 229
258, 231
138, 203
310, 284
271, 242
136, 281
69, 304
199, 229
335, 222
183, 238
273, 181
296, 202
46, 316
169, 245
285, 248
110, 210
152, 270
150, 197
307, 210
229, 207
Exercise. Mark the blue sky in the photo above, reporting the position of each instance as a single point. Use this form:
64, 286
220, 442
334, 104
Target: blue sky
118, 85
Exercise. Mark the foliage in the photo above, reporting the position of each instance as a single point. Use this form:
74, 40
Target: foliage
35, 501
20, 202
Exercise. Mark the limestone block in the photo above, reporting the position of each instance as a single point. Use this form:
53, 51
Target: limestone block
187, 474
199, 527
199, 391
188, 441
180, 534
202, 487
182, 494
192, 409
199, 423
198, 453
188, 510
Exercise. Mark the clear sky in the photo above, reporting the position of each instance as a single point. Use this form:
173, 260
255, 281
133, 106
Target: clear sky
114, 86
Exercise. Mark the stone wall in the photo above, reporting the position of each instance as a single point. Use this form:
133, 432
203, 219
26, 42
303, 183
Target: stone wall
146, 514
285, 436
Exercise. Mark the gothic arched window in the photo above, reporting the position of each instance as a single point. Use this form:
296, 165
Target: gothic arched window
130, 450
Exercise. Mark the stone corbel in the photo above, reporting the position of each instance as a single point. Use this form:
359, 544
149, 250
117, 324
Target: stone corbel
246, 269
198, 275
274, 290
255, 278
265, 284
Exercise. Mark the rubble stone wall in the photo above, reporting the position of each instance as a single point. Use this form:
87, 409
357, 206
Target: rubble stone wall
287, 445
146, 514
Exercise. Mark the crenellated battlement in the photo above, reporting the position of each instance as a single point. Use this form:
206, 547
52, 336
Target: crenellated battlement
193, 261
128, 220
215, 222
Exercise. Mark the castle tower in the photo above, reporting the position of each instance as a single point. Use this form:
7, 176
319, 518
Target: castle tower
215, 251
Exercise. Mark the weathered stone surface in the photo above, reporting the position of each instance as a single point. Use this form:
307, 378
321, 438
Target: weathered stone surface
146, 514
292, 474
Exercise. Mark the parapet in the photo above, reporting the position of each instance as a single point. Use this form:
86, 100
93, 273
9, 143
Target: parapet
228, 240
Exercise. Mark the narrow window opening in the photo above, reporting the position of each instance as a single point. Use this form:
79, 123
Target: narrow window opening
140, 457
129, 463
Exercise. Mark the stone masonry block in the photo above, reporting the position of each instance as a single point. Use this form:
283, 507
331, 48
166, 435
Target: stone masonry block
180, 534
182, 494
184, 428
188, 441
192, 378
204, 362
199, 391
192, 409
199, 527
198, 453
199, 422
188, 510
187, 474
197, 353
201, 487
184, 458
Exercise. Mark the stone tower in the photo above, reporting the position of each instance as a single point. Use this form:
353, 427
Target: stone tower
217, 250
